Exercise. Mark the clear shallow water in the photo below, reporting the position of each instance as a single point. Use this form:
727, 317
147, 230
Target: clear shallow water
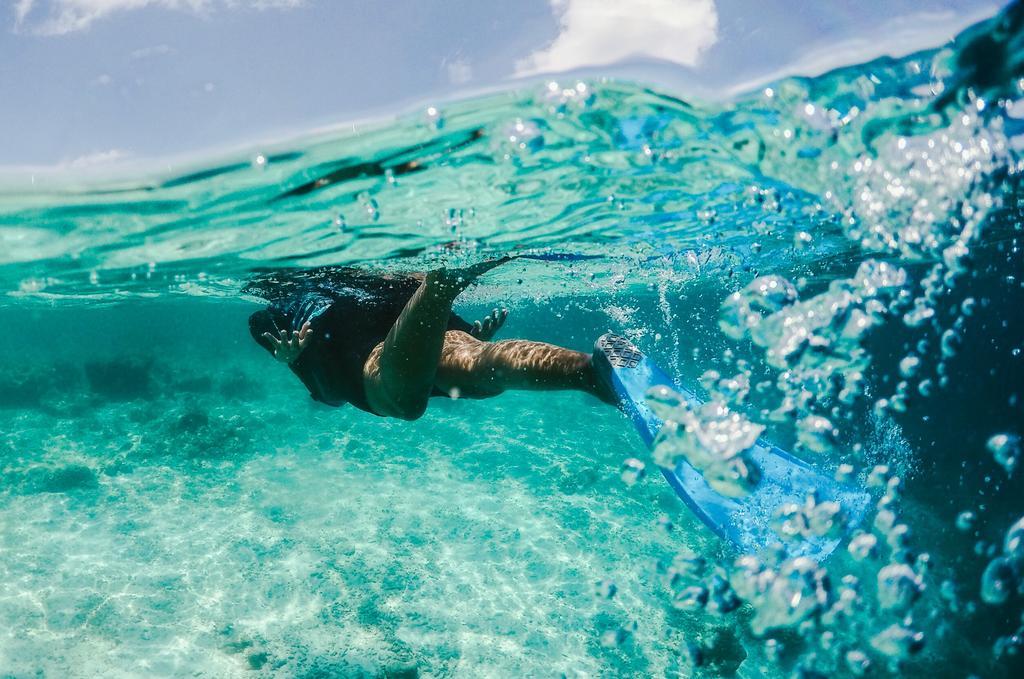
173, 503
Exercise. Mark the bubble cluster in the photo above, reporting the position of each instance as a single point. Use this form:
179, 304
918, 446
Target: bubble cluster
745, 309
784, 597
810, 519
910, 198
816, 343
816, 434
522, 135
713, 439
562, 100
1004, 574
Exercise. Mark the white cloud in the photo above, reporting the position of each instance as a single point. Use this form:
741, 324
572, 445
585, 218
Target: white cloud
154, 51
99, 158
57, 17
601, 32
459, 71
21, 8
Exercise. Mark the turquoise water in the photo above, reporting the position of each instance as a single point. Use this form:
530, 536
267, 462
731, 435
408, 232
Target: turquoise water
836, 259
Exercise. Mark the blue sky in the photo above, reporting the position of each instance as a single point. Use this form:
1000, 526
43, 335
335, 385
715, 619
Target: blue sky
93, 81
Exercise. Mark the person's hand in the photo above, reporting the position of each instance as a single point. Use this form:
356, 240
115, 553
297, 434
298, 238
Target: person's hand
486, 329
287, 350
453, 281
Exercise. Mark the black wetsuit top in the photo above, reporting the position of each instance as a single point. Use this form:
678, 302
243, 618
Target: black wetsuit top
348, 321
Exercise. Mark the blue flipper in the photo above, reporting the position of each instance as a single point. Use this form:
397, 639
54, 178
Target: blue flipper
746, 521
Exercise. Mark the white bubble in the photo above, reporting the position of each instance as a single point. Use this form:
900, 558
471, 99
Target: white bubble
965, 520
711, 437
605, 589
633, 471
898, 642
998, 580
1005, 449
744, 310
816, 433
862, 546
909, 366
858, 662
898, 587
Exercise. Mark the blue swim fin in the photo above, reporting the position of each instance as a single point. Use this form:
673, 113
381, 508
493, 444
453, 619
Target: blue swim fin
744, 521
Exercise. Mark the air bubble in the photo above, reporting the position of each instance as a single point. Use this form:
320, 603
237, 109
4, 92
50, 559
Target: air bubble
605, 589
966, 520
858, 662
816, 433
370, 206
1005, 449
433, 117
744, 310
878, 476
633, 471
614, 638
909, 366
862, 546
998, 580
711, 437
898, 587
898, 642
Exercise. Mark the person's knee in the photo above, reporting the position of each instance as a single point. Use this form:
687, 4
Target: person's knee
411, 411
386, 403
403, 406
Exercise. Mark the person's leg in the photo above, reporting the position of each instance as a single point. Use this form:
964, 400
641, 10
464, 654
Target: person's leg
475, 369
399, 374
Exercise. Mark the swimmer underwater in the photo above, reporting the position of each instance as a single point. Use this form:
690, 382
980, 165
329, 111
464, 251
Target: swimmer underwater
387, 344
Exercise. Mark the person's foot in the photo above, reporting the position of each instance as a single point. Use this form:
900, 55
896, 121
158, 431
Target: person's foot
601, 389
605, 353
486, 329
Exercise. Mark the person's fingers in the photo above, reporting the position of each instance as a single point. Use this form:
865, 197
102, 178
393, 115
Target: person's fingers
273, 340
284, 336
477, 327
